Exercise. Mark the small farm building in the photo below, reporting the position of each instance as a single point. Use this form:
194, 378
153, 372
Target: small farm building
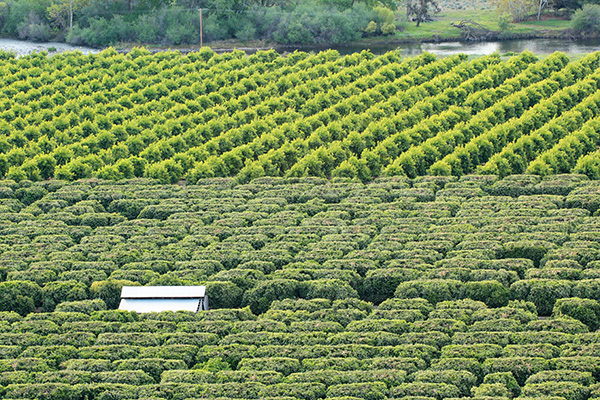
145, 299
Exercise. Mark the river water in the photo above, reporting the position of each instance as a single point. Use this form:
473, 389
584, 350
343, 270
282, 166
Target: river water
24, 47
540, 46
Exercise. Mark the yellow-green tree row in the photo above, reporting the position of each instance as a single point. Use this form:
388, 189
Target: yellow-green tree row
170, 116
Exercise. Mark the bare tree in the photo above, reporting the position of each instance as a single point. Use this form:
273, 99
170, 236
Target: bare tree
419, 10
541, 5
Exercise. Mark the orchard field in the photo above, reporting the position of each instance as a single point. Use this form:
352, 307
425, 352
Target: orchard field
367, 227
417, 289
172, 117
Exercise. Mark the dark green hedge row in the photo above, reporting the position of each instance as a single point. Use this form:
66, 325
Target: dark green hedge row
428, 289
256, 243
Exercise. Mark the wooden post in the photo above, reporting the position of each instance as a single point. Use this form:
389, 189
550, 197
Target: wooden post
201, 41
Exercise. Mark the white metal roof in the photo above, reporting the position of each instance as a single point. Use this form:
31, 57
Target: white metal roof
158, 305
163, 292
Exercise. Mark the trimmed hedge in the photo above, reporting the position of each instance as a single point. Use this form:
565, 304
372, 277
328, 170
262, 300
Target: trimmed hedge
584, 310
433, 290
369, 391
423, 389
568, 390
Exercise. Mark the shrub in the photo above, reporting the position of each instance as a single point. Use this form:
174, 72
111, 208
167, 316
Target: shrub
305, 391
380, 284
562, 324
497, 325
42, 391
85, 276
152, 366
82, 306
183, 352
542, 292
478, 351
121, 316
419, 304
54, 355
521, 367
231, 354
77, 339
129, 338
511, 312
578, 363
464, 380
167, 171
188, 376
533, 250
136, 378
586, 19
265, 377
492, 293
445, 325
422, 389
583, 378
30, 364
507, 379
393, 326
544, 350
368, 391
91, 365
433, 290
568, 390
19, 296
493, 390
584, 310
55, 292
459, 364
109, 291
331, 363
332, 289
70, 377
370, 338
105, 391
260, 297
588, 289
245, 279
284, 365
223, 294
331, 377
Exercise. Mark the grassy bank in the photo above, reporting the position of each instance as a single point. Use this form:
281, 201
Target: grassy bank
442, 29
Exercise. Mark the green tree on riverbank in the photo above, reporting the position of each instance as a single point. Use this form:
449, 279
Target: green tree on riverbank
175, 22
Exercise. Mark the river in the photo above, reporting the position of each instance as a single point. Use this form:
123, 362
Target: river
540, 46
24, 47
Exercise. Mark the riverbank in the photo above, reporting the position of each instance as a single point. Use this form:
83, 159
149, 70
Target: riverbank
439, 37
410, 46
438, 31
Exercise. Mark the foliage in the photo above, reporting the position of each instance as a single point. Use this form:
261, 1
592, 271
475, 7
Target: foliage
94, 23
517, 9
586, 19
458, 315
584, 310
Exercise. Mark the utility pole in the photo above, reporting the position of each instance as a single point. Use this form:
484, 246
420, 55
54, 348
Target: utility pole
201, 42
71, 15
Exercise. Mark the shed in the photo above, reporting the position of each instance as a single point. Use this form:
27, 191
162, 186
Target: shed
144, 299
